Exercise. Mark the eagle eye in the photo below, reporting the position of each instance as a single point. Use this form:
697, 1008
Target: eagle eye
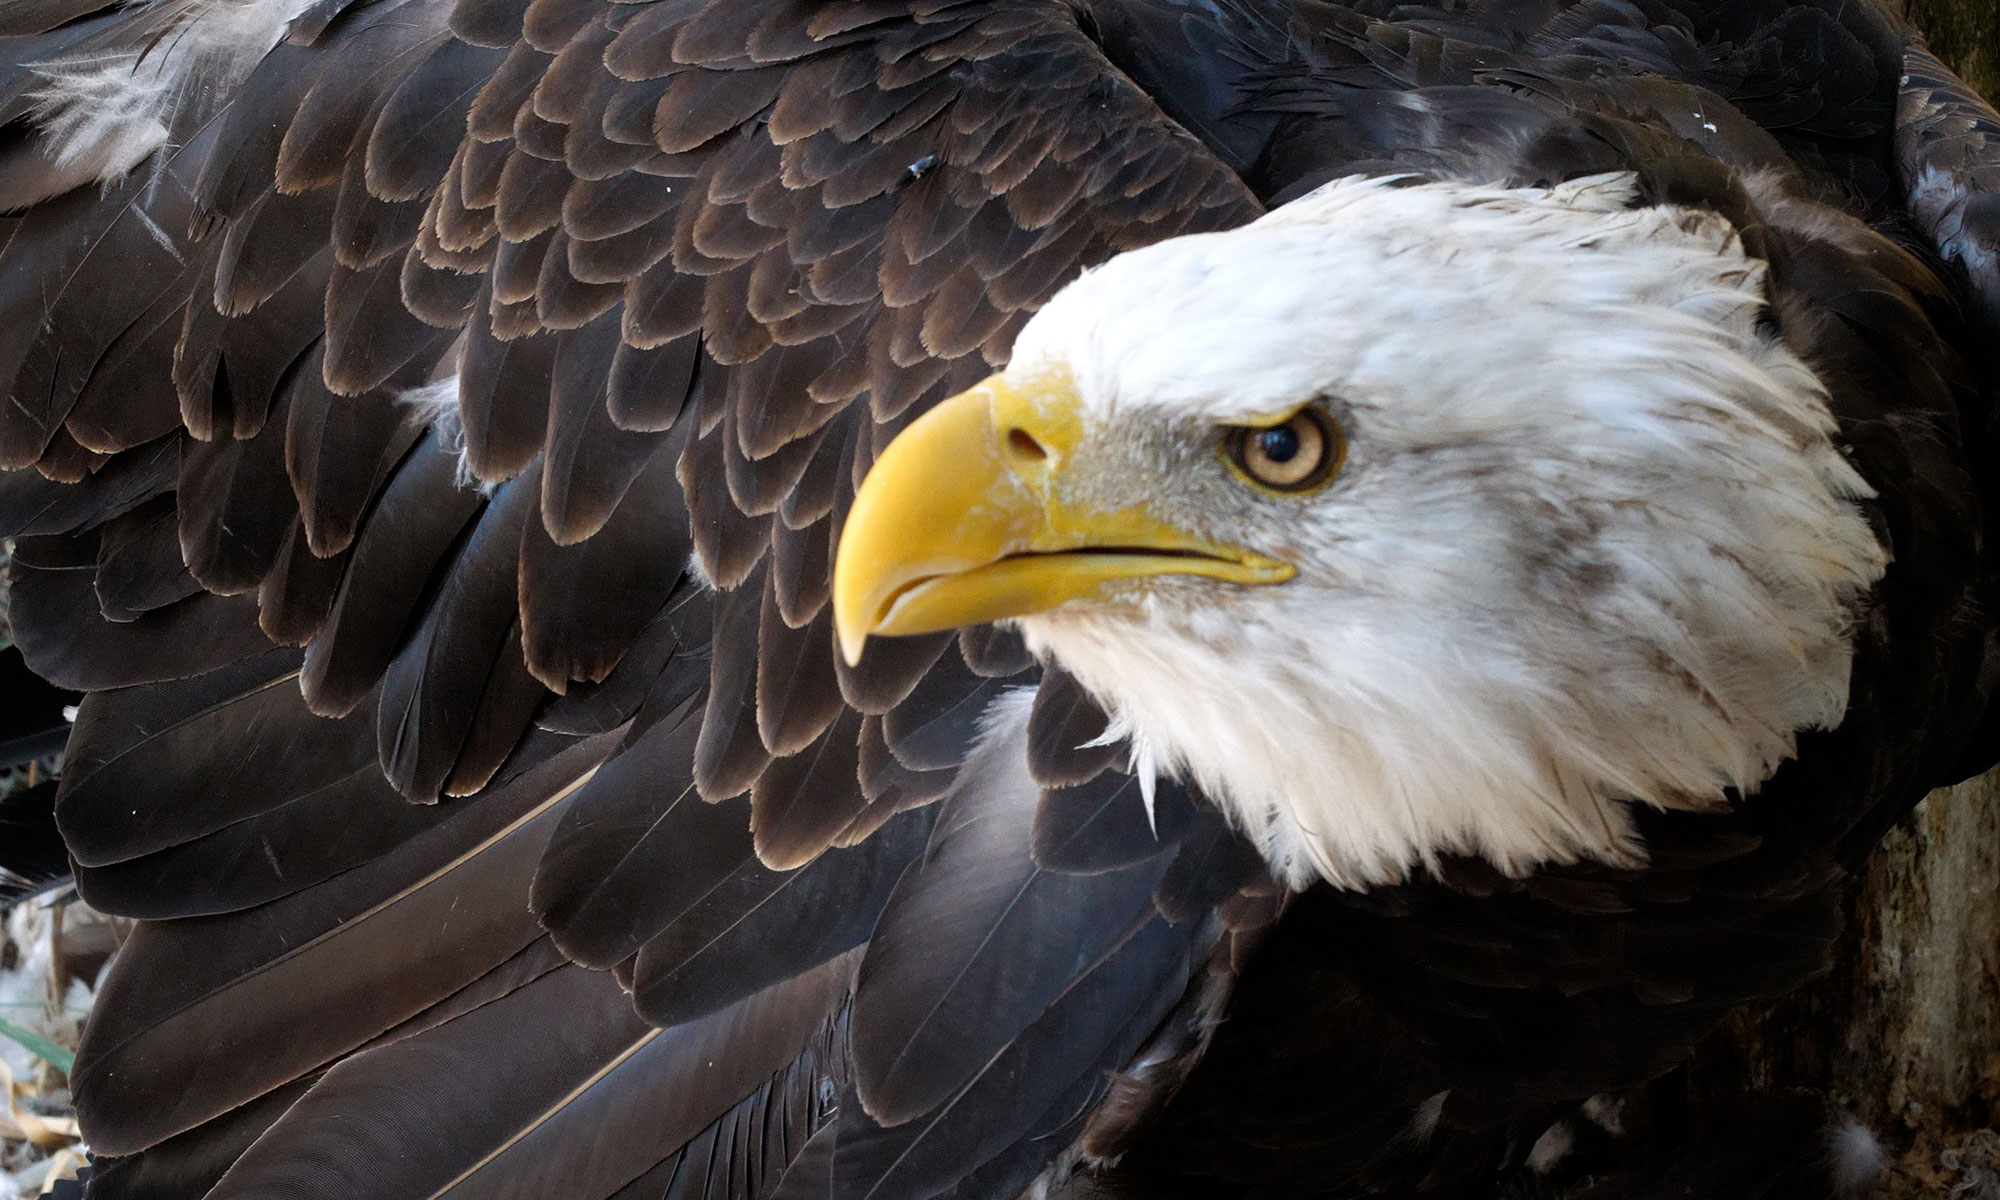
1296, 455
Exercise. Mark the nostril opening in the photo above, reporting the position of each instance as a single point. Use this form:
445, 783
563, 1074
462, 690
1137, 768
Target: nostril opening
1022, 444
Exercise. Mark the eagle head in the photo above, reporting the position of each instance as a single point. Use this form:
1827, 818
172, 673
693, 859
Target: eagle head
1412, 519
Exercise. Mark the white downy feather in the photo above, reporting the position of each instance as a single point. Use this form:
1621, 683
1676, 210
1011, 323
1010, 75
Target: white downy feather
103, 111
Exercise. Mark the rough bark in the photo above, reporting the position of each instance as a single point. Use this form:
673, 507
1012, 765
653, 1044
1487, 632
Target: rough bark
1904, 1034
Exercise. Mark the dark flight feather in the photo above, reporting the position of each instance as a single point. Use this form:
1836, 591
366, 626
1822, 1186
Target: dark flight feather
662, 303
1947, 144
761, 925
325, 126
176, 994
236, 507
595, 209
527, 208
59, 628
647, 387
801, 579
582, 1024
819, 490
889, 671
731, 543
507, 88
534, 961
263, 249
488, 22
1211, 865
49, 269
32, 506
584, 605
139, 564
503, 396
1065, 734
132, 742
312, 23
435, 287
993, 651
339, 450
368, 230
562, 300
343, 821
229, 372
66, 460
802, 803
1039, 1081
589, 462
127, 401
935, 726
413, 526
295, 597
639, 848
884, 780
730, 754
190, 1164
668, 1089
760, 485
370, 336
231, 186
506, 715
798, 694
638, 1090
423, 718
942, 988
32, 17
671, 652
421, 121
1106, 823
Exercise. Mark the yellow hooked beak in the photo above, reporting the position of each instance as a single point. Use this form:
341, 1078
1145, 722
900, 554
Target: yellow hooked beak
964, 519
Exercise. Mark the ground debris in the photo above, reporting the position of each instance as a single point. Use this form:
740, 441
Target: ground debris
52, 951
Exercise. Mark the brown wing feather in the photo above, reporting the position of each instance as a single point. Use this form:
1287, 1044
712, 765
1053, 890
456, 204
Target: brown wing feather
694, 263
658, 245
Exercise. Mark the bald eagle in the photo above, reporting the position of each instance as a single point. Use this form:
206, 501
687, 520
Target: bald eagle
904, 598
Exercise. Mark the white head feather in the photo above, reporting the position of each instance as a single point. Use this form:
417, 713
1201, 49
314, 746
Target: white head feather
1593, 542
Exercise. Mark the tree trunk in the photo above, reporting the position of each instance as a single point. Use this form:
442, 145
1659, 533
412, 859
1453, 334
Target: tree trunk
1904, 1034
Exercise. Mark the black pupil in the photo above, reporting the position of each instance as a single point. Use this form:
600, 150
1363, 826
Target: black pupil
1280, 445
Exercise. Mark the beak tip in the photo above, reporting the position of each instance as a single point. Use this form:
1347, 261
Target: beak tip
851, 644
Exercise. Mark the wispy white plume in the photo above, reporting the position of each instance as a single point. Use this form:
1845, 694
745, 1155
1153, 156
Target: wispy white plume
103, 110
438, 404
